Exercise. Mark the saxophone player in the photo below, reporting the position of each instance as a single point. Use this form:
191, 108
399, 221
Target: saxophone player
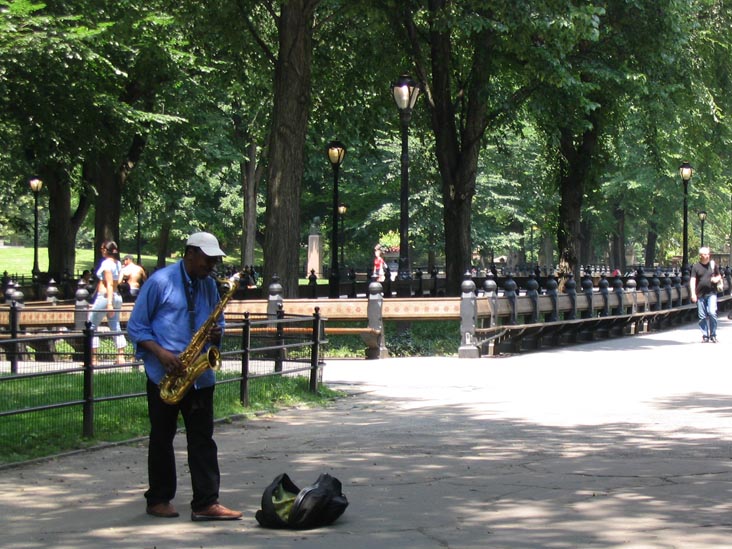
172, 305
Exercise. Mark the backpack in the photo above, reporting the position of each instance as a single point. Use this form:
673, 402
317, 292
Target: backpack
284, 505
719, 286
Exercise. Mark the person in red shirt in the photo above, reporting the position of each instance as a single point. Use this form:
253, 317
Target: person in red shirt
378, 264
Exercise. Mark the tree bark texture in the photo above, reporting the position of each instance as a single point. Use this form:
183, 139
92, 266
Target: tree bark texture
458, 150
62, 224
292, 89
164, 236
109, 177
651, 242
617, 243
250, 174
575, 160
586, 252
107, 204
249, 183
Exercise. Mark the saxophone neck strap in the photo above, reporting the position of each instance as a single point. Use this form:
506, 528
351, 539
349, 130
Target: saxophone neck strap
188, 290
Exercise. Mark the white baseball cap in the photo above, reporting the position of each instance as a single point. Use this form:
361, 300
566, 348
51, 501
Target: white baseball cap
207, 242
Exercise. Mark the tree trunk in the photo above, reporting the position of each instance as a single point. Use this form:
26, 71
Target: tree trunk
62, 225
651, 241
250, 174
164, 237
617, 243
249, 182
587, 255
458, 151
546, 256
108, 202
292, 88
576, 160
570, 191
109, 177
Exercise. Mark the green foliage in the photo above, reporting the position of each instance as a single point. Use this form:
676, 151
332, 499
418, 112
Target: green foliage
196, 81
429, 338
425, 338
402, 344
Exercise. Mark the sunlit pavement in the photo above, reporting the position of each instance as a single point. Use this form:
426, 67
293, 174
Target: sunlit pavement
624, 442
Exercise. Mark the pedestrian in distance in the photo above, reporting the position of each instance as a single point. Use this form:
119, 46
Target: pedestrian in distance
379, 264
703, 291
89, 284
172, 305
133, 275
108, 301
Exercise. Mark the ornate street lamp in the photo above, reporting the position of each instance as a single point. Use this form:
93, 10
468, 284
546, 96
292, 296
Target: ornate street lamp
405, 92
342, 209
686, 171
335, 151
36, 185
702, 219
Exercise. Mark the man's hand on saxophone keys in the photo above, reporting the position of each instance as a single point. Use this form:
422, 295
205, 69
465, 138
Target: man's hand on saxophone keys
171, 362
214, 334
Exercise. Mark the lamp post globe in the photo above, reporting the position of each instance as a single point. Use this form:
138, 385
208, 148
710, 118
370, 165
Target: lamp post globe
702, 219
35, 185
335, 152
405, 91
686, 172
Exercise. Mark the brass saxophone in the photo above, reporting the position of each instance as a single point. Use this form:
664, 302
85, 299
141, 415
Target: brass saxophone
174, 387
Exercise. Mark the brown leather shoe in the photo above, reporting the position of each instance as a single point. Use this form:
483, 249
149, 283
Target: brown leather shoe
215, 511
163, 510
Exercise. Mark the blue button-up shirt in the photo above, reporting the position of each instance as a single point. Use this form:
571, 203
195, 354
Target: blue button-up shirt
161, 314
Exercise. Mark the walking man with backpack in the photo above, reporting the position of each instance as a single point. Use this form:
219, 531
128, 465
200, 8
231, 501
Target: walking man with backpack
705, 276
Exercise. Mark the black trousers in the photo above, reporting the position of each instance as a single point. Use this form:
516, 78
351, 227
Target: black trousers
197, 410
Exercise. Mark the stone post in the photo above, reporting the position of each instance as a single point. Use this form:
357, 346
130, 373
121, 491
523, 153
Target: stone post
80, 306
570, 288
551, 290
374, 311
532, 292
468, 316
618, 290
491, 291
274, 301
509, 292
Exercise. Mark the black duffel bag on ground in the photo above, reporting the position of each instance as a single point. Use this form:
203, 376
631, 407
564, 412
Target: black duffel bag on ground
284, 505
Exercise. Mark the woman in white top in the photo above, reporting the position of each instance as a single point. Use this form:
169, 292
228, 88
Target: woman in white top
108, 301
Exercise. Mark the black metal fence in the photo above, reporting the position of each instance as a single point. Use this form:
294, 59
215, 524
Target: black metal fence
53, 388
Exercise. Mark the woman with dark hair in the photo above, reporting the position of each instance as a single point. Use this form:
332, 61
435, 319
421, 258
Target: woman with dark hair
379, 264
108, 301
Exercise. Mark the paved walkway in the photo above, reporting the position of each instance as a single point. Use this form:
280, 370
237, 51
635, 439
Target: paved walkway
621, 443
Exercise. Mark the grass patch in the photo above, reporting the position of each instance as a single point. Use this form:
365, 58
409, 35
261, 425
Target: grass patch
18, 260
422, 338
49, 432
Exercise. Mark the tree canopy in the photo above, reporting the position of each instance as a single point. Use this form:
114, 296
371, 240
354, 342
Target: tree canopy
548, 131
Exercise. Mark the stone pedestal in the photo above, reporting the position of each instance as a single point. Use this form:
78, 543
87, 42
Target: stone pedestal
315, 254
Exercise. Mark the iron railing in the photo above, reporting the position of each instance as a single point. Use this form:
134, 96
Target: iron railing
54, 373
